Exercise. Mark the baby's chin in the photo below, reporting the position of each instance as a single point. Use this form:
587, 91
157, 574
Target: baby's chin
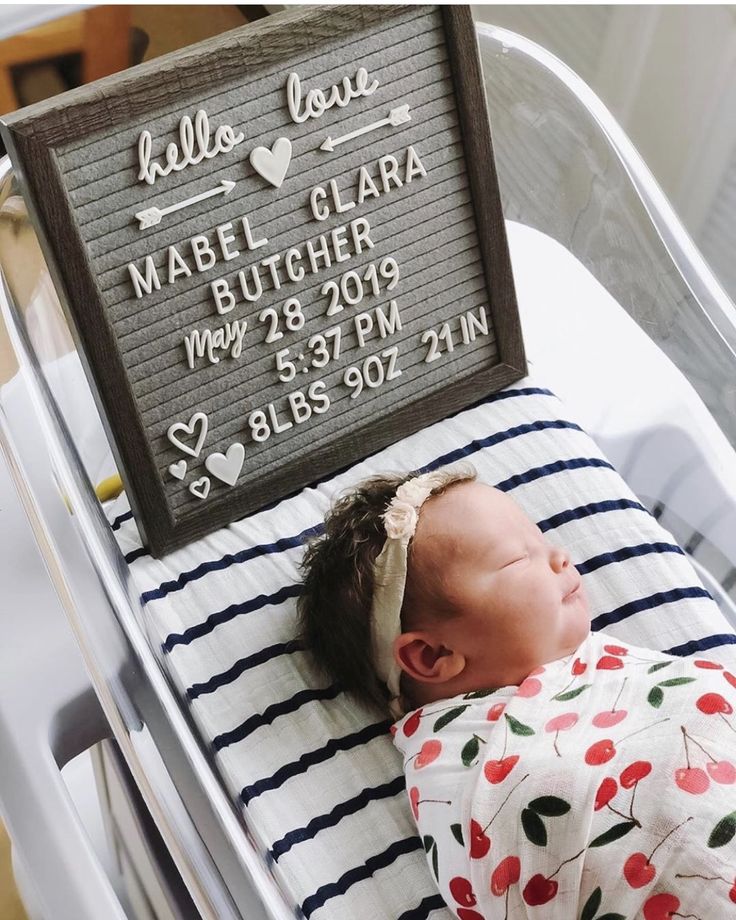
577, 616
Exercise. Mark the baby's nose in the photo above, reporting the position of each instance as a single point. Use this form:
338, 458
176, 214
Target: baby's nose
559, 559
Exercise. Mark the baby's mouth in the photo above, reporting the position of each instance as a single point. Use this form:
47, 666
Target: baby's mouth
573, 591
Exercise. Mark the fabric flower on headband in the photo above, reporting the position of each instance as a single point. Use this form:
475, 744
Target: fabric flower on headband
400, 520
390, 568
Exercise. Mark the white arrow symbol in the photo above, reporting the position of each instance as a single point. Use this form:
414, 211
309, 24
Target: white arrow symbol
396, 117
152, 216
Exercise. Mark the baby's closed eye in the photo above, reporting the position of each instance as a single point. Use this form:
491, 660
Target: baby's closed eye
517, 559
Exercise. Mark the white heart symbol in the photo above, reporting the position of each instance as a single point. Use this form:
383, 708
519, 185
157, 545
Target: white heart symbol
272, 164
179, 469
201, 487
199, 418
227, 466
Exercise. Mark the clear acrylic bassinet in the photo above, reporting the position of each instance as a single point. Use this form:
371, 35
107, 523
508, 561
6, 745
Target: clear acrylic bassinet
565, 169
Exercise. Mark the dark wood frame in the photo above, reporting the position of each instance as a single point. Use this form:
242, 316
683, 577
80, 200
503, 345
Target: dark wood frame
31, 136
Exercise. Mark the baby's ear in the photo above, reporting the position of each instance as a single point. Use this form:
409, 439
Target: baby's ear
425, 659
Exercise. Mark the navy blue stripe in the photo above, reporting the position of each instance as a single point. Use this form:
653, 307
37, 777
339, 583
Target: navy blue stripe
360, 873
480, 443
700, 645
575, 514
373, 794
242, 665
135, 554
626, 552
240, 732
424, 908
549, 469
245, 555
310, 758
647, 603
229, 613
120, 519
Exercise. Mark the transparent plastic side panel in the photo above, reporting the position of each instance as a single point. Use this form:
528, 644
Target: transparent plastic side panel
566, 168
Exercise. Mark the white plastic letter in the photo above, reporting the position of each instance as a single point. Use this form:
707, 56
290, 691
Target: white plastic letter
144, 285
224, 298
201, 248
318, 193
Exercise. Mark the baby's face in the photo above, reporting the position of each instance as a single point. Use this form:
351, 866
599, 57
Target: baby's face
520, 601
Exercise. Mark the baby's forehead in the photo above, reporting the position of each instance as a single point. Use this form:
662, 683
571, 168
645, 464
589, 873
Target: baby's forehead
469, 512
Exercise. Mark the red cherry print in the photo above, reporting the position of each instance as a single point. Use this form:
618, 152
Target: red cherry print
480, 842
730, 678
732, 892
494, 713
462, 891
506, 873
692, 780
529, 687
609, 663
412, 723
539, 890
723, 771
638, 871
606, 791
465, 913
609, 718
539, 670
600, 752
430, 751
634, 772
562, 722
578, 667
496, 771
661, 906
414, 799
704, 663
616, 649
711, 703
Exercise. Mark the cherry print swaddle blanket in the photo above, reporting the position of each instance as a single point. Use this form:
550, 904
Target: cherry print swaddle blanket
604, 786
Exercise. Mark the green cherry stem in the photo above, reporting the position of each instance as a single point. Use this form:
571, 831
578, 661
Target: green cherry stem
664, 838
504, 802
622, 815
706, 878
565, 863
684, 738
631, 806
613, 708
701, 748
621, 741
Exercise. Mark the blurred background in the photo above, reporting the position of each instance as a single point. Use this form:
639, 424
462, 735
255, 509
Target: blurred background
667, 73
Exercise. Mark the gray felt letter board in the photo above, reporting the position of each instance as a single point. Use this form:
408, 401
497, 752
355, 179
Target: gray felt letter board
281, 250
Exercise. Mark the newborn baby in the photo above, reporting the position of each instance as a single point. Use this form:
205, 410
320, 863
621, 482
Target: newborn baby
525, 737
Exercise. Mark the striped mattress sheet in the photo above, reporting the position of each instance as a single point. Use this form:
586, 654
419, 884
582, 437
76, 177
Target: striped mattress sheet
316, 776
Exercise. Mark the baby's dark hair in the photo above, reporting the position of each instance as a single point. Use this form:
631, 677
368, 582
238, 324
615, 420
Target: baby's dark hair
335, 606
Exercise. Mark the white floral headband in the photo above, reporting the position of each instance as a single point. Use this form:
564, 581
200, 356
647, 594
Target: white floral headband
390, 568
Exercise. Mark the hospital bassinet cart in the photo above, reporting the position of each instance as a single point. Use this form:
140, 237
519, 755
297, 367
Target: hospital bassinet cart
572, 185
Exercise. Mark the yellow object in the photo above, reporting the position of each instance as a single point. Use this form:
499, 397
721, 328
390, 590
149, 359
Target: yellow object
109, 488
